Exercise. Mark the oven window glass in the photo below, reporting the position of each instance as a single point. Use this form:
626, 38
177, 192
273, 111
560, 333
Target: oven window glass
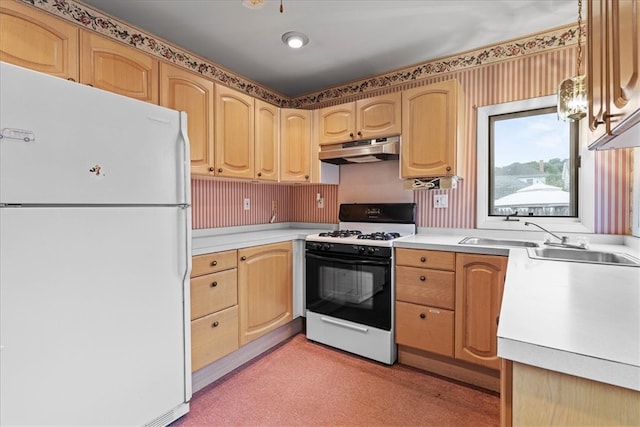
350, 288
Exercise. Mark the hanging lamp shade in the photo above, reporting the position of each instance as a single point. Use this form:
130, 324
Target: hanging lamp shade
572, 93
572, 99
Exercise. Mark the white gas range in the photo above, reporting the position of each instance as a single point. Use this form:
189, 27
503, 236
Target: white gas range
350, 280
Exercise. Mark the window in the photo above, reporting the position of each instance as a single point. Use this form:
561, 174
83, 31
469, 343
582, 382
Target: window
529, 166
533, 164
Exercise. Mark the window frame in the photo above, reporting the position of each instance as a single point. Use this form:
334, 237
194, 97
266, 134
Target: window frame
584, 222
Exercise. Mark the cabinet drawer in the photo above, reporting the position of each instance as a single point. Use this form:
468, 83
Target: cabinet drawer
424, 328
213, 292
428, 259
425, 286
210, 263
213, 336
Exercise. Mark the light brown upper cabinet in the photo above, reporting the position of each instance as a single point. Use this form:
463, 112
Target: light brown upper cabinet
432, 129
267, 143
295, 145
234, 125
117, 68
613, 68
38, 41
185, 91
374, 117
479, 286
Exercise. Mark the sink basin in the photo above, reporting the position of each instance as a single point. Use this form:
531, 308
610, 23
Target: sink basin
577, 255
485, 241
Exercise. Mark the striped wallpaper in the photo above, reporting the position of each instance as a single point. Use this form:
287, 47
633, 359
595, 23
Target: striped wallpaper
219, 203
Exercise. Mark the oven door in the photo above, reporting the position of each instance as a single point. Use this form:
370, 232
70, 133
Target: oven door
350, 287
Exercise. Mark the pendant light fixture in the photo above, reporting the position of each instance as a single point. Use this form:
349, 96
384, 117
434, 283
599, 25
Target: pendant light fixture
572, 93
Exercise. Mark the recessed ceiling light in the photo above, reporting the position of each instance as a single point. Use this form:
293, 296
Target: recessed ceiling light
294, 39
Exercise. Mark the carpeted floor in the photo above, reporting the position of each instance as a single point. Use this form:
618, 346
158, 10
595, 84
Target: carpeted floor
302, 383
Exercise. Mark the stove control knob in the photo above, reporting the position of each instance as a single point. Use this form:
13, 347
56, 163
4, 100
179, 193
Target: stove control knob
371, 250
313, 245
361, 249
326, 246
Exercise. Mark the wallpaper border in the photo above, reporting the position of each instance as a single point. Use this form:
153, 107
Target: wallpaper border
100, 22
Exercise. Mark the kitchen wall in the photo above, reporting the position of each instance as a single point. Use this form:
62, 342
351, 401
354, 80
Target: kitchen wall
528, 67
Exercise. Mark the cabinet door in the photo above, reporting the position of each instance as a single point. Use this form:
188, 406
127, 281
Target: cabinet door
267, 143
624, 46
479, 285
185, 91
295, 145
112, 66
38, 41
430, 126
265, 289
337, 123
234, 133
379, 116
596, 70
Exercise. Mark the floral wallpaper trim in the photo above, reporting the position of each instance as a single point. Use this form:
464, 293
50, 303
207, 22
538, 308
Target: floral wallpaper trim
97, 21
87, 17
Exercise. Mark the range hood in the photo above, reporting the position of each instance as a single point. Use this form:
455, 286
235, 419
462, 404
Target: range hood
365, 151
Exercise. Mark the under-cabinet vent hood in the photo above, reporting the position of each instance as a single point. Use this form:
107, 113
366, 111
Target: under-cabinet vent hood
365, 151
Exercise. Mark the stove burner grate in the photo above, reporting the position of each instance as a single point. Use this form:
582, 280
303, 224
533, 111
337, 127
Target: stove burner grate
379, 236
341, 233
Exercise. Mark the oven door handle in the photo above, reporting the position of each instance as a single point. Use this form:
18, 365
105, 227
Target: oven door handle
344, 325
348, 261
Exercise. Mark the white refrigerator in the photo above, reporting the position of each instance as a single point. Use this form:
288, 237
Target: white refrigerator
95, 232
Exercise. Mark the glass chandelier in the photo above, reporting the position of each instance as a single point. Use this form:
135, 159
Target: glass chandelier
572, 93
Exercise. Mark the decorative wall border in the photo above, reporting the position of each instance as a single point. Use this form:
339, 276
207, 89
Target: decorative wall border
93, 19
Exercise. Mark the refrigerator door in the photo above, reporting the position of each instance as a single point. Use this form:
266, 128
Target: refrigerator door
67, 143
92, 315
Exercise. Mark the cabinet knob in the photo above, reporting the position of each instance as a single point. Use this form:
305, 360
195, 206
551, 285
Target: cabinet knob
243, 258
422, 278
448, 168
214, 284
214, 263
89, 84
306, 177
219, 170
351, 134
497, 320
359, 133
71, 79
212, 169
259, 173
423, 259
215, 324
422, 315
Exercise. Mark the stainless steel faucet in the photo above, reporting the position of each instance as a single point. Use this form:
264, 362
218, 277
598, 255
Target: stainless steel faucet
563, 239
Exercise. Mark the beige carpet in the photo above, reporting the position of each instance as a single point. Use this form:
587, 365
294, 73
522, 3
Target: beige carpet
302, 383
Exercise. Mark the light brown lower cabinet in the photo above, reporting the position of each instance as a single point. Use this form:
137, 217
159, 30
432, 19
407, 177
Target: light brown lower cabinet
214, 307
264, 289
539, 397
447, 307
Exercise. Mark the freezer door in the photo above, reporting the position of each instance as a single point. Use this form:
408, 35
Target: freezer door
92, 306
68, 143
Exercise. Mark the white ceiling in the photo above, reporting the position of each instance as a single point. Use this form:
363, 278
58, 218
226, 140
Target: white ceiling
349, 39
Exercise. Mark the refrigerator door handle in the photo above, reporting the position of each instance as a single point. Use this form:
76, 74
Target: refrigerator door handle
185, 161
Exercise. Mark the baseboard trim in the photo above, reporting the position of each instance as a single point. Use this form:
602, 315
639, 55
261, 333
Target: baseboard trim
221, 367
461, 371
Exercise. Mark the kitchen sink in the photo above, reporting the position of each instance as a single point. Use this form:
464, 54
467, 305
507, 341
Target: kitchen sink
577, 255
485, 241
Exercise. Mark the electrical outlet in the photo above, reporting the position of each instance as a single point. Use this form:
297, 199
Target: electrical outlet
440, 200
247, 204
273, 205
321, 203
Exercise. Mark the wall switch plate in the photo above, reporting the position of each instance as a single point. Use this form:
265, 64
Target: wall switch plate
440, 200
247, 204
